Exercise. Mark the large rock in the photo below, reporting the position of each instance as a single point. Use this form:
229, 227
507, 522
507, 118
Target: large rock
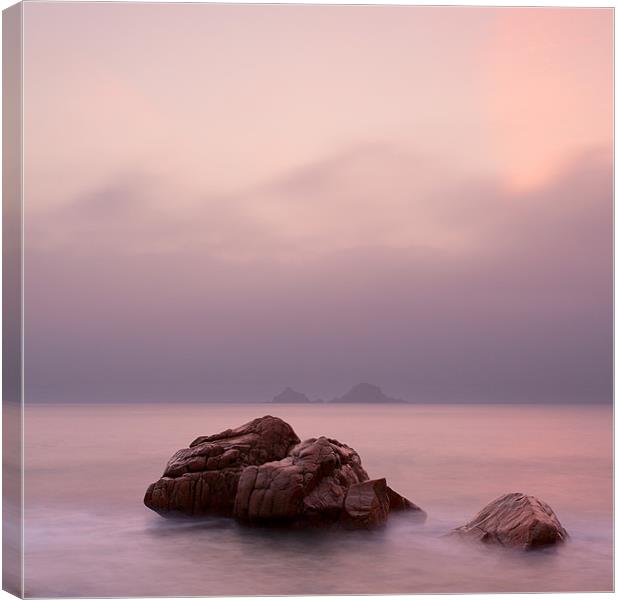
516, 520
261, 474
203, 478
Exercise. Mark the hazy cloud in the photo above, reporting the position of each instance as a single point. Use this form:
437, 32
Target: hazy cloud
511, 303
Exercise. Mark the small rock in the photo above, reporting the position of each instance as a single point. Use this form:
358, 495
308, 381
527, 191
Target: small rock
516, 520
367, 504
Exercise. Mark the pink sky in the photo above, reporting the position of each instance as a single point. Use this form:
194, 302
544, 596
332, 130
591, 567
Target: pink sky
267, 147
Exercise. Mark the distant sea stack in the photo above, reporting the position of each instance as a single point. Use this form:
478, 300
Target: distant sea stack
367, 393
290, 396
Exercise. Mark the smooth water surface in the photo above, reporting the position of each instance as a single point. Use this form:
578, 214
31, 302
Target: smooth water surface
87, 532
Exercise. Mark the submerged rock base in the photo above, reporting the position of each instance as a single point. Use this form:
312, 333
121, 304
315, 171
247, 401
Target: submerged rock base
261, 473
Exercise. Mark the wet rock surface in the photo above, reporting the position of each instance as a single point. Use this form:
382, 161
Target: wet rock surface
515, 520
203, 478
260, 473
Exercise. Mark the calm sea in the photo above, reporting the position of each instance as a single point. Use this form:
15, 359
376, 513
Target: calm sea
87, 532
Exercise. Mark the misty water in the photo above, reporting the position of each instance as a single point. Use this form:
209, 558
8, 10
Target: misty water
87, 532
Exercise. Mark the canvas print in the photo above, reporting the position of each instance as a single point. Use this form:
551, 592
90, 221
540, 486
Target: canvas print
307, 299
